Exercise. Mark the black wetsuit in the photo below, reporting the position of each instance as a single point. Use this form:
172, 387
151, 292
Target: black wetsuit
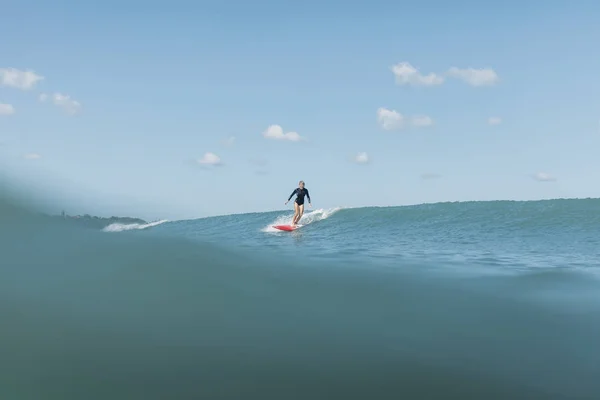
300, 193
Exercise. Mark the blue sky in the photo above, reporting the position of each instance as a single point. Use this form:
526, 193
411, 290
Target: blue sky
136, 93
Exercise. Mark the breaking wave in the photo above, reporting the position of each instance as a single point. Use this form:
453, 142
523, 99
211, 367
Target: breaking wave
308, 218
129, 227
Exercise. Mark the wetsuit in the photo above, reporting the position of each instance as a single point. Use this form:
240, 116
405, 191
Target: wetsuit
300, 193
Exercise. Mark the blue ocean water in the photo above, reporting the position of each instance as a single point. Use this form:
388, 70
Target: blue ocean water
484, 237
481, 300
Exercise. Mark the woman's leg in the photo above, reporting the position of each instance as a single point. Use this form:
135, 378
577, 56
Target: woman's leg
300, 212
296, 212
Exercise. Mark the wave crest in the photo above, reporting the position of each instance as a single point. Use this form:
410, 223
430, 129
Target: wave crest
129, 227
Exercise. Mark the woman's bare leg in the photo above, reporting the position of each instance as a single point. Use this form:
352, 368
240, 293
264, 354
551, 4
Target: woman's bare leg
300, 213
296, 212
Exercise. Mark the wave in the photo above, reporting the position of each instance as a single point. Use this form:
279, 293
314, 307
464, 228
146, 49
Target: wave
128, 227
541, 215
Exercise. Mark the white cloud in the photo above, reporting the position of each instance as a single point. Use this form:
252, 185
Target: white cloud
32, 156
63, 101
406, 74
494, 120
361, 158
6, 109
230, 141
15, 78
210, 159
475, 77
389, 119
544, 177
392, 119
422, 121
276, 132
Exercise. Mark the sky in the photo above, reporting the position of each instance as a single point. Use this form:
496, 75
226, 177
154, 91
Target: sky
186, 109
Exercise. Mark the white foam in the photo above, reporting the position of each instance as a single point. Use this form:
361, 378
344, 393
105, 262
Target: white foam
308, 218
129, 227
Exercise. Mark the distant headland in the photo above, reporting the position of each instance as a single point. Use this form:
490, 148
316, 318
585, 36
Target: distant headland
98, 222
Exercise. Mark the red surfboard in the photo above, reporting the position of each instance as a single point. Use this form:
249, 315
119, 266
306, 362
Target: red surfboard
288, 228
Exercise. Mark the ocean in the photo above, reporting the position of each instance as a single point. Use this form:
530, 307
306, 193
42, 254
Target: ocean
472, 300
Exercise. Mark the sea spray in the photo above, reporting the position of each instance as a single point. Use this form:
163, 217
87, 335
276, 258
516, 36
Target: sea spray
129, 227
308, 218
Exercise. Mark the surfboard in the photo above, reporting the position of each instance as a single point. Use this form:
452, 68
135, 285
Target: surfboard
288, 228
